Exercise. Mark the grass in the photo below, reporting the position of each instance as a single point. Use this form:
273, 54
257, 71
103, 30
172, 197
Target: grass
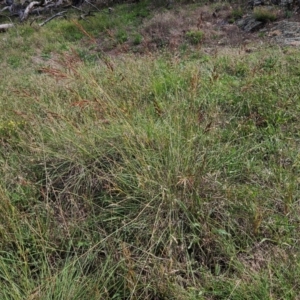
237, 13
147, 177
195, 37
265, 14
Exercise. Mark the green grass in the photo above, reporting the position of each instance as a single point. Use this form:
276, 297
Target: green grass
147, 177
237, 13
137, 39
195, 37
265, 14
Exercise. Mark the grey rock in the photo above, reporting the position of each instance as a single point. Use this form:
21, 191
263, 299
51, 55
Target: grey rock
249, 24
289, 33
253, 3
286, 3
258, 2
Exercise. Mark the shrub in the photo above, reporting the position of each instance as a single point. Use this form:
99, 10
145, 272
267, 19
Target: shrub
195, 36
121, 36
264, 15
236, 14
137, 39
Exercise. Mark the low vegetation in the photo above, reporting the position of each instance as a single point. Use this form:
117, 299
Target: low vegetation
154, 176
195, 37
265, 14
236, 14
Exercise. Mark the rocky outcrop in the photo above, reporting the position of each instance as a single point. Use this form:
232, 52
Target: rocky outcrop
286, 33
284, 3
249, 24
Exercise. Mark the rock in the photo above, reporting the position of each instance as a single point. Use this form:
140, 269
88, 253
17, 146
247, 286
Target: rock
293, 43
289, 33
253, 3
258, 2
286, 3
249, 24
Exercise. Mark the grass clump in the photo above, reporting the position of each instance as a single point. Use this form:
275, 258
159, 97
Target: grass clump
149, 177
139, 183
236, 14
10, 128
264, 14
137, 39
121, 36
195, 37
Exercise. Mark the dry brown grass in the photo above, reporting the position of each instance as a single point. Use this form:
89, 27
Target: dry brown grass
169, 28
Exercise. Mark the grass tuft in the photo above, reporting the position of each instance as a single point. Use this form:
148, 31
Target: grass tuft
195, 37
153, 176
264, 14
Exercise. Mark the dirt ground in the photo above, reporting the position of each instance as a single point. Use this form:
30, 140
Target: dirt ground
169, 28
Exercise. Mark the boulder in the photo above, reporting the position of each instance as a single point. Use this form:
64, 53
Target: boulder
249, 24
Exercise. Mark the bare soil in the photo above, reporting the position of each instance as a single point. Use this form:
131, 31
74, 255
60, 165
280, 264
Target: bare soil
169, 29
